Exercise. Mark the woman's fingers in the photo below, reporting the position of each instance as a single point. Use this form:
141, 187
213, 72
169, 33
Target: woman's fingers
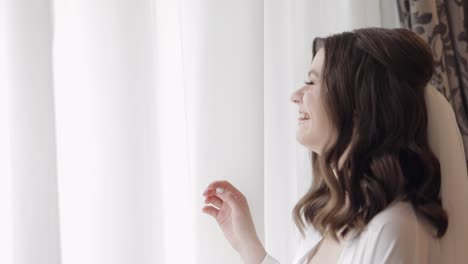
214, 201
226, 192
210, 193
211, 211
224, 185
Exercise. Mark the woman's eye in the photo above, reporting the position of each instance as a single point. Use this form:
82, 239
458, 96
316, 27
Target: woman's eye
309, 82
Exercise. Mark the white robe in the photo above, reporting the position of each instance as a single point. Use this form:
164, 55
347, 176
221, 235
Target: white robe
395, 235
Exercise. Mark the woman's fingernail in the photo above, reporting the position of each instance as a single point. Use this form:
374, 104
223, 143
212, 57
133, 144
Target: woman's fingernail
219, 190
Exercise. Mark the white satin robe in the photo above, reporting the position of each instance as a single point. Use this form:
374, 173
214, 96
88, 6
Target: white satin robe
394, 236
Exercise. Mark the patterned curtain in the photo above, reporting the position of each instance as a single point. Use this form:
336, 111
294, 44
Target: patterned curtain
443, 25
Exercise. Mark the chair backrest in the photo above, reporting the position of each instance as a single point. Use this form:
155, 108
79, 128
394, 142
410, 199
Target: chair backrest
446, 143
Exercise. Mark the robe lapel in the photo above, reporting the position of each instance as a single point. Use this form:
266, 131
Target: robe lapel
308, 243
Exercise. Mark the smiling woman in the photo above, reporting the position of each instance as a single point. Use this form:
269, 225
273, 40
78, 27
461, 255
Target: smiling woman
370, 153
376, 191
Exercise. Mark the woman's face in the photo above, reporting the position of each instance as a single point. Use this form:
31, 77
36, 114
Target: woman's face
314, 132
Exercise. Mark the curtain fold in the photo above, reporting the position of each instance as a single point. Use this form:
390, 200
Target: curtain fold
176, 190
28, 78
104, 91
6, 201
222, 45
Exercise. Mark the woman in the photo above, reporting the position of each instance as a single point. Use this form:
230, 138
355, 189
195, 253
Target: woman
375, 191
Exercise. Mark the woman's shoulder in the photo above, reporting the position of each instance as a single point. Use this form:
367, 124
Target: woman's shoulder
398, 224
398, 215
395, 235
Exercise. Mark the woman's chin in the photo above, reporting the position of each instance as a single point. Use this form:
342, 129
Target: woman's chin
306, 142
300, 138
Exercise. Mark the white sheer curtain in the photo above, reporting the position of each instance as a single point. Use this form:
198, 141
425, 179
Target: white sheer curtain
115, 115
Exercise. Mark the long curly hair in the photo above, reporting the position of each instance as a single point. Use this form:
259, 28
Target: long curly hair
374, 81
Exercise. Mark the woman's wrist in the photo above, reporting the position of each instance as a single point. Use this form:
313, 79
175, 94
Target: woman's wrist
253, 253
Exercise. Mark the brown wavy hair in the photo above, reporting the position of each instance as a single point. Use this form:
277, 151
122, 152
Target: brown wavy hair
374, 81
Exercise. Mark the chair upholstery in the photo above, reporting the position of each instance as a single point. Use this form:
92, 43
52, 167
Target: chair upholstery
446, 143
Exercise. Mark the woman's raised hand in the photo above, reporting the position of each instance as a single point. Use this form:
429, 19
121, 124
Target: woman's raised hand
232, 213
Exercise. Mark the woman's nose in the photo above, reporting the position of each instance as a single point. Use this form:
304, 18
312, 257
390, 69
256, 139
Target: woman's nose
295, 98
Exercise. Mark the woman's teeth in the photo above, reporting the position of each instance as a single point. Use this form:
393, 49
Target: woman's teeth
303, 116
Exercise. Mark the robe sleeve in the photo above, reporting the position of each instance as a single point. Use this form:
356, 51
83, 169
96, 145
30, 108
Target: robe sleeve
269, 260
